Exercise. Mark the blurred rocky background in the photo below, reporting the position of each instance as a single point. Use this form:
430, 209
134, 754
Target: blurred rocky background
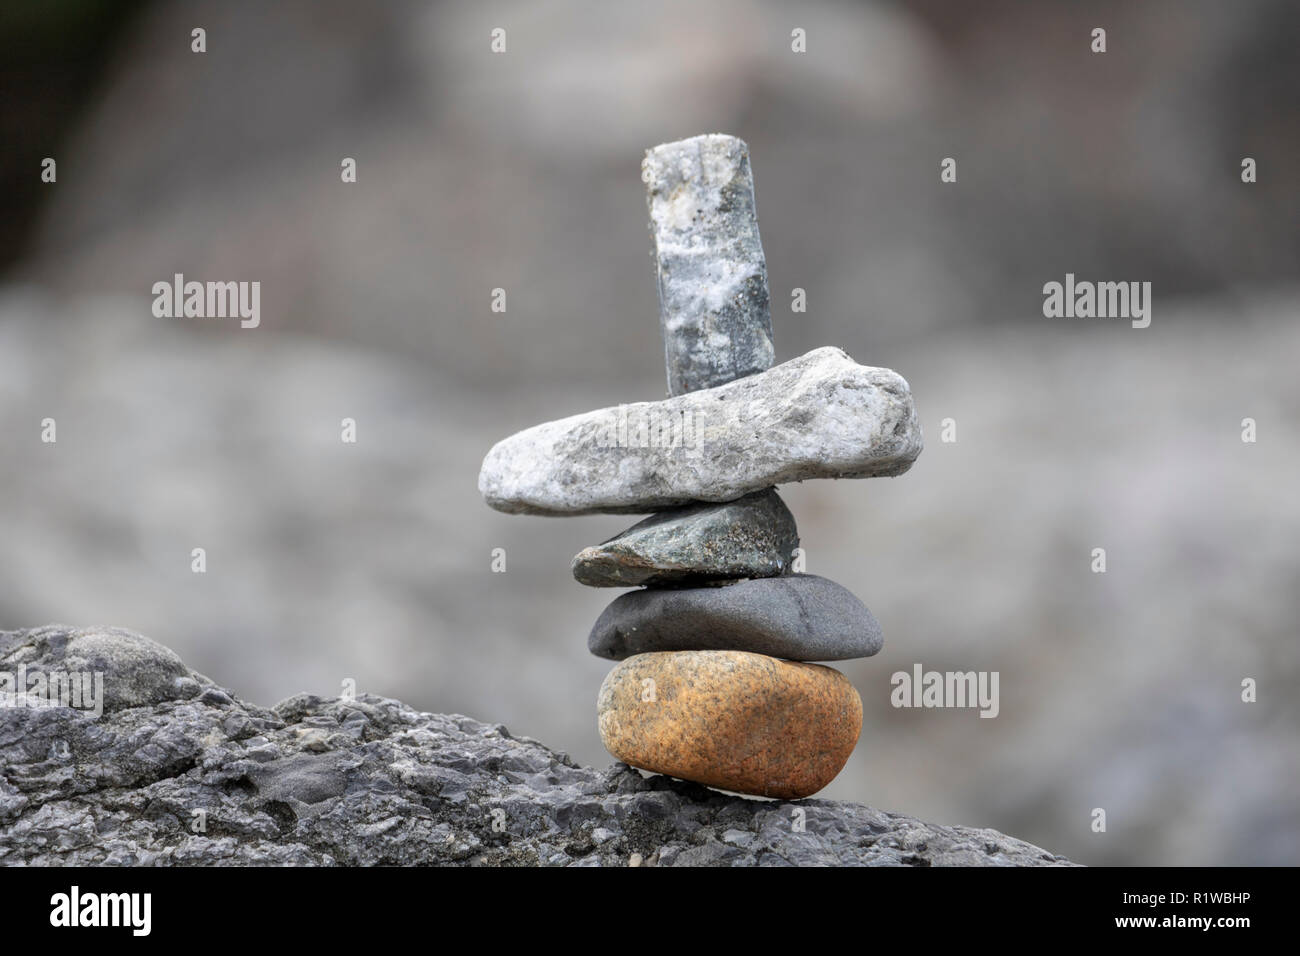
520, 171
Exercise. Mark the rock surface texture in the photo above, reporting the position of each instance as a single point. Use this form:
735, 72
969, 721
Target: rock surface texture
370, 781
817, 416
713, 298
751, 537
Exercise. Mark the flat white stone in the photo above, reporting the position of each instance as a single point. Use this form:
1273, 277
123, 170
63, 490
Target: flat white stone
818, 416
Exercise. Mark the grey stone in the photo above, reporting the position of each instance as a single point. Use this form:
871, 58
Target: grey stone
800, 617
407, 788
817, 416
751, 537
713, 298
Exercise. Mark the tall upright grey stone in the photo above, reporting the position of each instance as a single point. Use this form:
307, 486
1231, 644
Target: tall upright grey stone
713, 298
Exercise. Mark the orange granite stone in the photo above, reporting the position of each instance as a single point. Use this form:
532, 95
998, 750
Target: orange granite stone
731, 719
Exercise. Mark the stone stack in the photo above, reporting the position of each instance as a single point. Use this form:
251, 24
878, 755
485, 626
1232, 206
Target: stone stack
714, 682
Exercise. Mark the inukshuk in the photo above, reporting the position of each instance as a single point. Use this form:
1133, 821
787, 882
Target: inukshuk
714, 682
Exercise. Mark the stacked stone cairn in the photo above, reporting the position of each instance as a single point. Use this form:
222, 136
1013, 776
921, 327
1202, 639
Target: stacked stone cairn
714, 682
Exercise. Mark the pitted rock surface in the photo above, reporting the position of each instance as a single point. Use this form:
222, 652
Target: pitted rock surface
370, 781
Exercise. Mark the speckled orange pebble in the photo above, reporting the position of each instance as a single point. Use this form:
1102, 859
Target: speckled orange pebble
731, 719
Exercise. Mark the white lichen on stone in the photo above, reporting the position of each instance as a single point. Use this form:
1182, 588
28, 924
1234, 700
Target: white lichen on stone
712, 277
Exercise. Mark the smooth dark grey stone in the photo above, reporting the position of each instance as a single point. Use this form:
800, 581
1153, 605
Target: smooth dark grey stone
799, 617
751, 537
